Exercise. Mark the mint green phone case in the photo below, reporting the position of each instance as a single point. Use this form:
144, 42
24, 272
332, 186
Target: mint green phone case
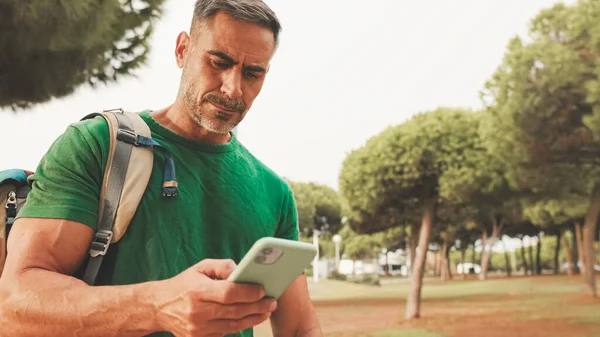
274, 263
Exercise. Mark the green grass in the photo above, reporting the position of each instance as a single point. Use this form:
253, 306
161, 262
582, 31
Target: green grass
433, 289
519, 300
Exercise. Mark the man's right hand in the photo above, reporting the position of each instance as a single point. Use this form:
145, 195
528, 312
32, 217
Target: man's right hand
200, 302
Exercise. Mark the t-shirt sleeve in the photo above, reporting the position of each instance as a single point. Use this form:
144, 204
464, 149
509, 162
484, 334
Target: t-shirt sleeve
288, 225
67, 181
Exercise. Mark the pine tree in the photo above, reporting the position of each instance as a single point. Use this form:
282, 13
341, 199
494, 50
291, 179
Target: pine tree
50, 48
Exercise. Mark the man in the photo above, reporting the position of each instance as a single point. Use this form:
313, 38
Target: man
167, 277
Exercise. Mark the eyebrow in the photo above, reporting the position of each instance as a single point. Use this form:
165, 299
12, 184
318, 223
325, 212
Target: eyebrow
230, 60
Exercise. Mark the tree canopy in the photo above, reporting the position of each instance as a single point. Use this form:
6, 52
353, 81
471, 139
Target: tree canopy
318, 206
525, 165
49, 49
544, 113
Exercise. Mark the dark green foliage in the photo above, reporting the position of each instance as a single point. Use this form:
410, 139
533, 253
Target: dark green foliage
317, 202
543, 101
51, 48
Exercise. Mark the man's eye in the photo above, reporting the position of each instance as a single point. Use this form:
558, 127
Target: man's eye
220, 65
251, 74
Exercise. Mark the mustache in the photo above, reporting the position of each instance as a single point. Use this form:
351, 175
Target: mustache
229, 104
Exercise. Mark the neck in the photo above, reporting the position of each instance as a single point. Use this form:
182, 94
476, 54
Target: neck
178, 120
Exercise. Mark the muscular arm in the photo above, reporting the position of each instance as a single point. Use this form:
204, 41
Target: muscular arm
38, 299
295, 315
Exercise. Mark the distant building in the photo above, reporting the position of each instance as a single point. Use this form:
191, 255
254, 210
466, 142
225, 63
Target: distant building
468, 268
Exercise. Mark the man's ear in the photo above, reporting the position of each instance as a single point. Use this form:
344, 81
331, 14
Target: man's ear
182, 47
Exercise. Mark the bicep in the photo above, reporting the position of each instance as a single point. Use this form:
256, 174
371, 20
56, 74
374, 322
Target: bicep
49, 244
54, 228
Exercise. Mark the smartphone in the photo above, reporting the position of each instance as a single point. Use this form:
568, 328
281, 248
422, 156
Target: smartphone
274, 263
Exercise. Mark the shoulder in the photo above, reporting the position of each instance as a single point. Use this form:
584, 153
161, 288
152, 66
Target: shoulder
92, 128
278, 190
263, 172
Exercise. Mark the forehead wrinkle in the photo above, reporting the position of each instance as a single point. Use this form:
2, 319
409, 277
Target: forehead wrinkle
243, 57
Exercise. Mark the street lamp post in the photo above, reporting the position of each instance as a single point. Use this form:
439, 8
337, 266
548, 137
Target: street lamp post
316, 259
337, 239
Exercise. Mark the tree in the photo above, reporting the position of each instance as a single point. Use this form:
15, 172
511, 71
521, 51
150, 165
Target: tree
543, 103
555, 216
391, 239
317, 204
478, 187
362, 247
402, 171
51, 49
455, 228
465, 238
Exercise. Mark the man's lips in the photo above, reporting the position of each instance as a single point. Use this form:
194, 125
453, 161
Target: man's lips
222, 108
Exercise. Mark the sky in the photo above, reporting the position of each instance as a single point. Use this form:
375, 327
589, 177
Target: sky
345, 70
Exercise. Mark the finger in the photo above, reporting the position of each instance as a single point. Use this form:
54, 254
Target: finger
226, 292
230, 326
216, 269
238, 311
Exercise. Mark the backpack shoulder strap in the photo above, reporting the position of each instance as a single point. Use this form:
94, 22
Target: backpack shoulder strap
127, 172
13, 192
126, 176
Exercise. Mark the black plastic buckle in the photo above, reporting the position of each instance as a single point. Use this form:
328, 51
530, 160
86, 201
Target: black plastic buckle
127, 136
101, 243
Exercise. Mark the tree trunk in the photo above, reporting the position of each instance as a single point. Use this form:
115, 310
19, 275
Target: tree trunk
440, 263
589, 234
485, 253
484, 240
507, 260
530, 253
413, 301
557, 253
448, 264
538, 253
569, 255
414, 239
474, 255
523, 258
575, 250
580, 251
436, 263
463, 253
445, 263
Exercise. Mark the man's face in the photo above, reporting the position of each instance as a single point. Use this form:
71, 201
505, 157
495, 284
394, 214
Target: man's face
224, 66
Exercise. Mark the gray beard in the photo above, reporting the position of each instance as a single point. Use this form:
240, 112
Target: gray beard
215, 125
218, 125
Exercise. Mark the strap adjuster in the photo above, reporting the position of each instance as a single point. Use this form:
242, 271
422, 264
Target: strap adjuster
101, 242
127, 136
117, 110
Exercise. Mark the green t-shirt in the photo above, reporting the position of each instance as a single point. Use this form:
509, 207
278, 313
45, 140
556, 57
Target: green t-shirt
227, 200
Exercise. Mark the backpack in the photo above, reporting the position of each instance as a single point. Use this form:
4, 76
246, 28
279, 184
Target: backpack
126, 175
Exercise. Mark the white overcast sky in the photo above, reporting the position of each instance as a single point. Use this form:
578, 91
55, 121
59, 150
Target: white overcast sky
345, 70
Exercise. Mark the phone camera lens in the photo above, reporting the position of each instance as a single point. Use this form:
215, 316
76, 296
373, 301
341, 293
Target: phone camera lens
267, 251
260, 259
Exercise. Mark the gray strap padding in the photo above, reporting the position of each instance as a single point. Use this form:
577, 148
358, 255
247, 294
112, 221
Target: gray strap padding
116, 180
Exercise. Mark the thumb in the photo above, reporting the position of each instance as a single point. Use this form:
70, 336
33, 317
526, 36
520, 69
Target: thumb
216, 269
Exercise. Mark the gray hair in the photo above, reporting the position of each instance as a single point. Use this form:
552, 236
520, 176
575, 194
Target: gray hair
254, 11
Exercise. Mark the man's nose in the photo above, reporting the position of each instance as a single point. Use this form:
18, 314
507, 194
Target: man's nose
232, 84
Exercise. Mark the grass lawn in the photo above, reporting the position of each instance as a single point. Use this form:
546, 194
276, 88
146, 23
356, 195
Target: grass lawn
545, 306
